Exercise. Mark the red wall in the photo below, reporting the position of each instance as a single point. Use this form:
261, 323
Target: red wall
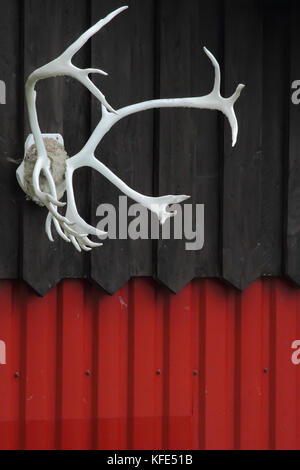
208, 368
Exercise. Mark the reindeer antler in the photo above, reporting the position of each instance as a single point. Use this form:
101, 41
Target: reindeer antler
72, 227
62, 65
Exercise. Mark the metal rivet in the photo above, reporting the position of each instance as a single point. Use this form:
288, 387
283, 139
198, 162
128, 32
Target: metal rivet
266, 370
158, 372
16, 375
195, 372
88, 372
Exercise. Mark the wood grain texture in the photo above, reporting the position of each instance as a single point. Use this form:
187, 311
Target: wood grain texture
242, 197
188, 139
292, 245
208, 140
76, 120
175, 266
11, 146
41, 259
274, 134
124, 49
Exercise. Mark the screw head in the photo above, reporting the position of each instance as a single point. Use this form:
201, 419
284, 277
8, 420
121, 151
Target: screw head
195, 372
158, 372
88, 372
16, 375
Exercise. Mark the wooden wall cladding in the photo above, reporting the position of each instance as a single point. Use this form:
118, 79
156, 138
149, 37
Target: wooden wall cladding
155, 49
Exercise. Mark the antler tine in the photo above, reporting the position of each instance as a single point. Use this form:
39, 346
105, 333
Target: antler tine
82, 74
227, 104
217, 84
63, 65
73, 48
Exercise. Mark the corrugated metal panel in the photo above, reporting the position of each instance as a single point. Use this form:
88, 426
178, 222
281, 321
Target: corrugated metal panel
144, 369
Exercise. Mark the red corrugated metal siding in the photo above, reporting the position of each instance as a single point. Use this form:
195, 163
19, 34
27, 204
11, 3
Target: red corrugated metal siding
208, 368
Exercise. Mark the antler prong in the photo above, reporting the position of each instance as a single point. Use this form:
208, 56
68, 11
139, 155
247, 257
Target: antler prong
217, 83
237, 93
75, 243
59, 230
48, 227
77, 45
227, 103
63, 65
101, 72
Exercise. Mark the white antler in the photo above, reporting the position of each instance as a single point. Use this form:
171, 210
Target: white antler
72, 227
62, 65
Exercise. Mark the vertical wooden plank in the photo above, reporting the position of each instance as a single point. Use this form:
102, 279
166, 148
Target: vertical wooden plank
208, 138
76, 120
188, 142
139, 130
292, 264
11, 146
242, 164
274, 134
41, 44
124, 50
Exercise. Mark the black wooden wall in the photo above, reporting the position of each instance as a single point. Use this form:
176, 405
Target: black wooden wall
251, 193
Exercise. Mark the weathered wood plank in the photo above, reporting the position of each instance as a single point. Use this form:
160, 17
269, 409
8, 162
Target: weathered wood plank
242, 198
274, 134
124, 50
188, 139
11, 146
43, 40
141, 126
209, 140
292, 242
76, 110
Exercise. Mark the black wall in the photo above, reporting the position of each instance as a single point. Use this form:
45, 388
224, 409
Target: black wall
251, 193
